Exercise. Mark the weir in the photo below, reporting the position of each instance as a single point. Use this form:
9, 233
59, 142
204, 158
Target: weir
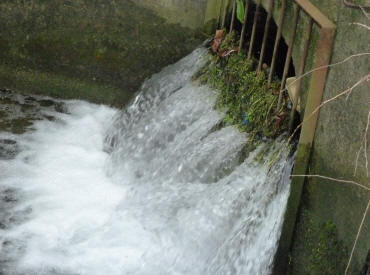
162, 190
174, 191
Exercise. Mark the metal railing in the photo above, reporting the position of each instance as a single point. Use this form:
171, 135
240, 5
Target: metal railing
316, 88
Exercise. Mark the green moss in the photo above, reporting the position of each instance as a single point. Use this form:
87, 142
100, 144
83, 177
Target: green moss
103, 43
243, 92
319, 247
229, 42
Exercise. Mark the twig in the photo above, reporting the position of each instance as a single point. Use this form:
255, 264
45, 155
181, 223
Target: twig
327, 66
361, 25
357, 236
358, 156
365, 13
336, 180
348, 91
365, 144
352, 5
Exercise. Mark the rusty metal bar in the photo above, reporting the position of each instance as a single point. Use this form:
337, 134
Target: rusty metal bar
315, 93
300, 72
315, 14
289, 54
277, 42
244, 28
254, 29
225, 4
233, 17
265, 35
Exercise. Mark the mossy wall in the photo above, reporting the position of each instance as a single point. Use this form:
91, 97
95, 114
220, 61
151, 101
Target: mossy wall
96, 50
189, 13
338, 137
194, 14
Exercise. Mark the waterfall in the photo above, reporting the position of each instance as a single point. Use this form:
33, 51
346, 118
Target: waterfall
157, 188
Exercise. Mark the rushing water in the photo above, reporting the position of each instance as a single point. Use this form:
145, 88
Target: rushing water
158, 188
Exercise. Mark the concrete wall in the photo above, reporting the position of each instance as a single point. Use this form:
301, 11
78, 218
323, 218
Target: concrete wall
331, 212
95, 50
188, 13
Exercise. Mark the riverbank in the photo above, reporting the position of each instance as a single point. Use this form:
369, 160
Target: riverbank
99, 51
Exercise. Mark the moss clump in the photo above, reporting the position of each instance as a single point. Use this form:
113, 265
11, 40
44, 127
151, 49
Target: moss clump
243, 92
229, 42
319, 247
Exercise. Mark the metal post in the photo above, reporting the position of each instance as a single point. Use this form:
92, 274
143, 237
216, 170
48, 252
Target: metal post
265, 35
233, 17
254, 29
244, 28
300, 72
277, 41
314, 98
225, 4
289, 54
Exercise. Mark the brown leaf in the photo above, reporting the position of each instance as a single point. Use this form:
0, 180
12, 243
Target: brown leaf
219, 36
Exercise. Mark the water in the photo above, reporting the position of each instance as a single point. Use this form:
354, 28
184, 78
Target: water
158, 188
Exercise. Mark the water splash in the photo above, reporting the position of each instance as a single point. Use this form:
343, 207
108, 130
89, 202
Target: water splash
162, 189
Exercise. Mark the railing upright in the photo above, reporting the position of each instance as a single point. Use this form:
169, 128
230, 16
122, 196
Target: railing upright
288, 58
302, 65
265, 34
254, 29
277, 42
233, 17
244, 27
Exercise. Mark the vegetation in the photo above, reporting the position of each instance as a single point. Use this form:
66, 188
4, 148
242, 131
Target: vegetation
111, 45
243, 92
320, 247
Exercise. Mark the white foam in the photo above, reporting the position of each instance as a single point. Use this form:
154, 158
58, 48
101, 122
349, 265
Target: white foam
170, 198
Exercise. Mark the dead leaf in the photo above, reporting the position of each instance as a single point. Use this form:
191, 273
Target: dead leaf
219, 36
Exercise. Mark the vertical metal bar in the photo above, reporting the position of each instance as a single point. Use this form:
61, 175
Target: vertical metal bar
289, 54
265, 35
316, 90
232, 17
254, 29
244, 28
300, 72
277, 41
225, 4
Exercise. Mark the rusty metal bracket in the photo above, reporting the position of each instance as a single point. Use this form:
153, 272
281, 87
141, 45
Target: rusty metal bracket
315, 93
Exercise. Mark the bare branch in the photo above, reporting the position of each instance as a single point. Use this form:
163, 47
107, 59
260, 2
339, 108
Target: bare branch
365, 144
346, 92
361, 25
357, 236
357, 157
327, 66
336, 180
